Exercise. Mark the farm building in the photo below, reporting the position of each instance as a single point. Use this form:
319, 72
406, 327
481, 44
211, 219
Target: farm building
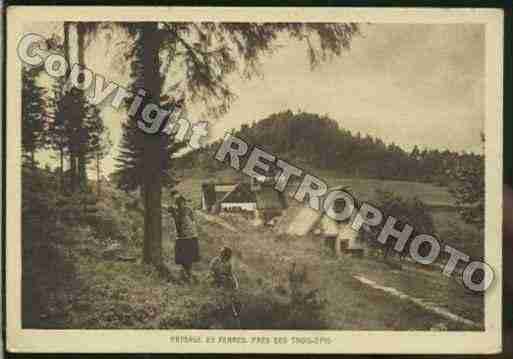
263, 200
211, 193
227, 196
241, 197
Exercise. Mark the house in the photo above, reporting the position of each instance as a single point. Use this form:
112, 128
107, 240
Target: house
259, 197
211, 193
239, 198
217, 197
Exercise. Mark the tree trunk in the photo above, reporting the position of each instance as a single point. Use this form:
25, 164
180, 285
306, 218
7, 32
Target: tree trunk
98, 174
66, 41
81, 140
82, 172
72, 162
61, 173
152, 149
146, 243
72, 171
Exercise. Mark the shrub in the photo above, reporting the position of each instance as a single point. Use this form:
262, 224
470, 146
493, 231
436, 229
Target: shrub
300, 307
47, 266
410, 211
117, 217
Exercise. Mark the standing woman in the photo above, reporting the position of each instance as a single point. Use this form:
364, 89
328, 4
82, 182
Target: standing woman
186, 245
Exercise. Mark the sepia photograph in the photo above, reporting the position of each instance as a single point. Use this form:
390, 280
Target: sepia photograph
251, 180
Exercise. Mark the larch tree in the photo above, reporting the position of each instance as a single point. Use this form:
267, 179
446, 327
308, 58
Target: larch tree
85, 131
74, 109
101, 145
202, 56
33, 114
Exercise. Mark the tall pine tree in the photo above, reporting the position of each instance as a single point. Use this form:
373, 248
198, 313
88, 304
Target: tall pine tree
33, 114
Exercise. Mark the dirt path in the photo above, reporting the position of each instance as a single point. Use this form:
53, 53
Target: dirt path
421, 303
216, 220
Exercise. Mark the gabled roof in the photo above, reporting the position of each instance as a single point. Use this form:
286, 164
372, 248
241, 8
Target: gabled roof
265, 198
240, 194
224, 187
227, 193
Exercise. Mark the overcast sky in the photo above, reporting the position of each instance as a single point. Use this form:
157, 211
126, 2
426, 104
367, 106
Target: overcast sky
408, 84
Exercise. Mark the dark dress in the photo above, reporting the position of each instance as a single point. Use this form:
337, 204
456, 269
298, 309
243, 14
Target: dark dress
186, 245
186, 251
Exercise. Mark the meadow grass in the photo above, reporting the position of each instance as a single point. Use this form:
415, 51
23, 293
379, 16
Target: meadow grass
130, 294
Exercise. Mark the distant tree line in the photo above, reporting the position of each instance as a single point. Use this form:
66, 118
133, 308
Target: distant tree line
318, 142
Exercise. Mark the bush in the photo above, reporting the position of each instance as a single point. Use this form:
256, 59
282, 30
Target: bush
47, 266
117, 217
300, 307
53, 223
410, 211
287, 303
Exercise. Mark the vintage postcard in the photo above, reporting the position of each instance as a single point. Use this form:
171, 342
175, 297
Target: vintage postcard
254, 180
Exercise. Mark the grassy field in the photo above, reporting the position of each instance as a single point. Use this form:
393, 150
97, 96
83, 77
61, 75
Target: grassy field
114, 293
120, 294
363, 188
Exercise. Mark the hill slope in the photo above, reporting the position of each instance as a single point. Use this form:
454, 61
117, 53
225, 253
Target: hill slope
120, 294
315, 142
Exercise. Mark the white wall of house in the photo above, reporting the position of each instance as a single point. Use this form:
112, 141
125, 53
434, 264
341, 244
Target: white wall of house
247, 206
203, 202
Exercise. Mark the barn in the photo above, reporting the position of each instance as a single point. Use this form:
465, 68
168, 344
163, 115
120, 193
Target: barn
262, 200
212, 192
227, 197
241, 197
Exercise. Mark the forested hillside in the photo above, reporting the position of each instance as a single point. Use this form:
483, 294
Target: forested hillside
318, 142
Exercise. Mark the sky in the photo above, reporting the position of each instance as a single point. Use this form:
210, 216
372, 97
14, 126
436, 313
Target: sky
412, 84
